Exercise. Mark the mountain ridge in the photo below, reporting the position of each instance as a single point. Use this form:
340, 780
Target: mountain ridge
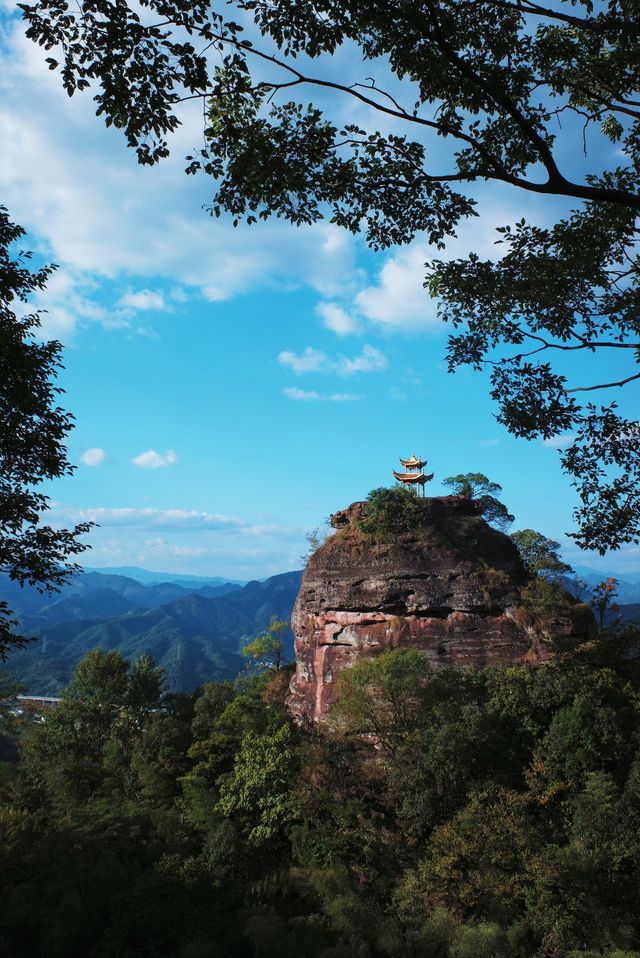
195, 637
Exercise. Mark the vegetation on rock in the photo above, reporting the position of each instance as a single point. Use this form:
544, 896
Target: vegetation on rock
266, 652
475, 485
393, 512
540, 555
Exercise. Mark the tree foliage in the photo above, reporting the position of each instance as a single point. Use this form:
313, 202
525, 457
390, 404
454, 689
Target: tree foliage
393, 512
444, 813
34, 428
266, 651
499, 91
541, 556
475, 485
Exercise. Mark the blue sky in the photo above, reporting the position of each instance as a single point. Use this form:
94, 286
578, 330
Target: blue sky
232, 388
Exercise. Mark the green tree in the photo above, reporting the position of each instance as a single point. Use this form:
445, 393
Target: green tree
462, 93
258, 790
83, 751
545, 593
32, 438
541, 556
475, 485
392, 512
266, 651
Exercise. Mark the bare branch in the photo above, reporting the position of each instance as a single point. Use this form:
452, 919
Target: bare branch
588, 389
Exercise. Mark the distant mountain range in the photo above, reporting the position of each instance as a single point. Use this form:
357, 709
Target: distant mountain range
194, 631
194, 627
146, 577
628, 587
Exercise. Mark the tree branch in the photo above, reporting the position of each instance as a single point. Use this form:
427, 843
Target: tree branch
588, 389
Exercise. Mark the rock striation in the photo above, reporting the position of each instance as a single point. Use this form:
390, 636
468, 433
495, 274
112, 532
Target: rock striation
453, 590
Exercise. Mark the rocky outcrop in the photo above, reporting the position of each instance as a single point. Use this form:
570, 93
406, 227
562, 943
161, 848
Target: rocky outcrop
452, 591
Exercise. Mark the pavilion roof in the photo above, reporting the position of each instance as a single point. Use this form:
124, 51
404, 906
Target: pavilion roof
413, 462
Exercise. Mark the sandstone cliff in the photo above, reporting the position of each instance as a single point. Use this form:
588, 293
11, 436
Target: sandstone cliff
451, 590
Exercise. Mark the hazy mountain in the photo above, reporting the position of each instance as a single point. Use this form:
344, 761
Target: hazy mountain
149, 578
630, 613
195, 637
94, 595
628, 586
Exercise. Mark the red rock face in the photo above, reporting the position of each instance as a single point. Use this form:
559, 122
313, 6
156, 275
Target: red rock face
452, 592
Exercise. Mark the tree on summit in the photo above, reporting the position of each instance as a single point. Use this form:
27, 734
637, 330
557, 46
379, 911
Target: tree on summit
450, 93
32, 438
475, 485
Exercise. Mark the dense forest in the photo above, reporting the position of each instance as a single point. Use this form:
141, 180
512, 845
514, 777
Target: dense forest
448, 813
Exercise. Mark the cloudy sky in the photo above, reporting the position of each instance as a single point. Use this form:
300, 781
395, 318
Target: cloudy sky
232, 388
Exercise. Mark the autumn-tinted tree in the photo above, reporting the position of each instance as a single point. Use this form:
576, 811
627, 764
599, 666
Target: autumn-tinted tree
34, 428
448, 94
603, 600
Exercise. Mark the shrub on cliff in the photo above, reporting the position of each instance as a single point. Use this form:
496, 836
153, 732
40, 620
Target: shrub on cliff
393, 512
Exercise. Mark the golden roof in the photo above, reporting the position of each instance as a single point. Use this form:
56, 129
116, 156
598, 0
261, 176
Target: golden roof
412, 476
413, 462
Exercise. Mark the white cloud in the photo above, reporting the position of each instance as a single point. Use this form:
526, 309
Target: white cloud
97, 213
134, 518
398, 300
160, 548
624, 561
312, 360
143, 299
487, 443
179, 295
93, 456
300, 395
371, 360
559, 442
154, 460
68, 301
308, 395
337, 319
187, 541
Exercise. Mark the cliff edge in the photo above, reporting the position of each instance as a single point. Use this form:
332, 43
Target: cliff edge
451, 589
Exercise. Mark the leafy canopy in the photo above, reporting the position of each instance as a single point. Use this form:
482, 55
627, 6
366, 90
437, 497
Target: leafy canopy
540, 555
446, 813
392, 512
496, 90
266, 651
475, 485
34, 428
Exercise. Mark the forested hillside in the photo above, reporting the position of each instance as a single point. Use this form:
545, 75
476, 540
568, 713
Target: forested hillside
196, 636
448, 814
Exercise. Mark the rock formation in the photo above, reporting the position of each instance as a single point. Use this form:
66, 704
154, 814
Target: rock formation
452, 590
